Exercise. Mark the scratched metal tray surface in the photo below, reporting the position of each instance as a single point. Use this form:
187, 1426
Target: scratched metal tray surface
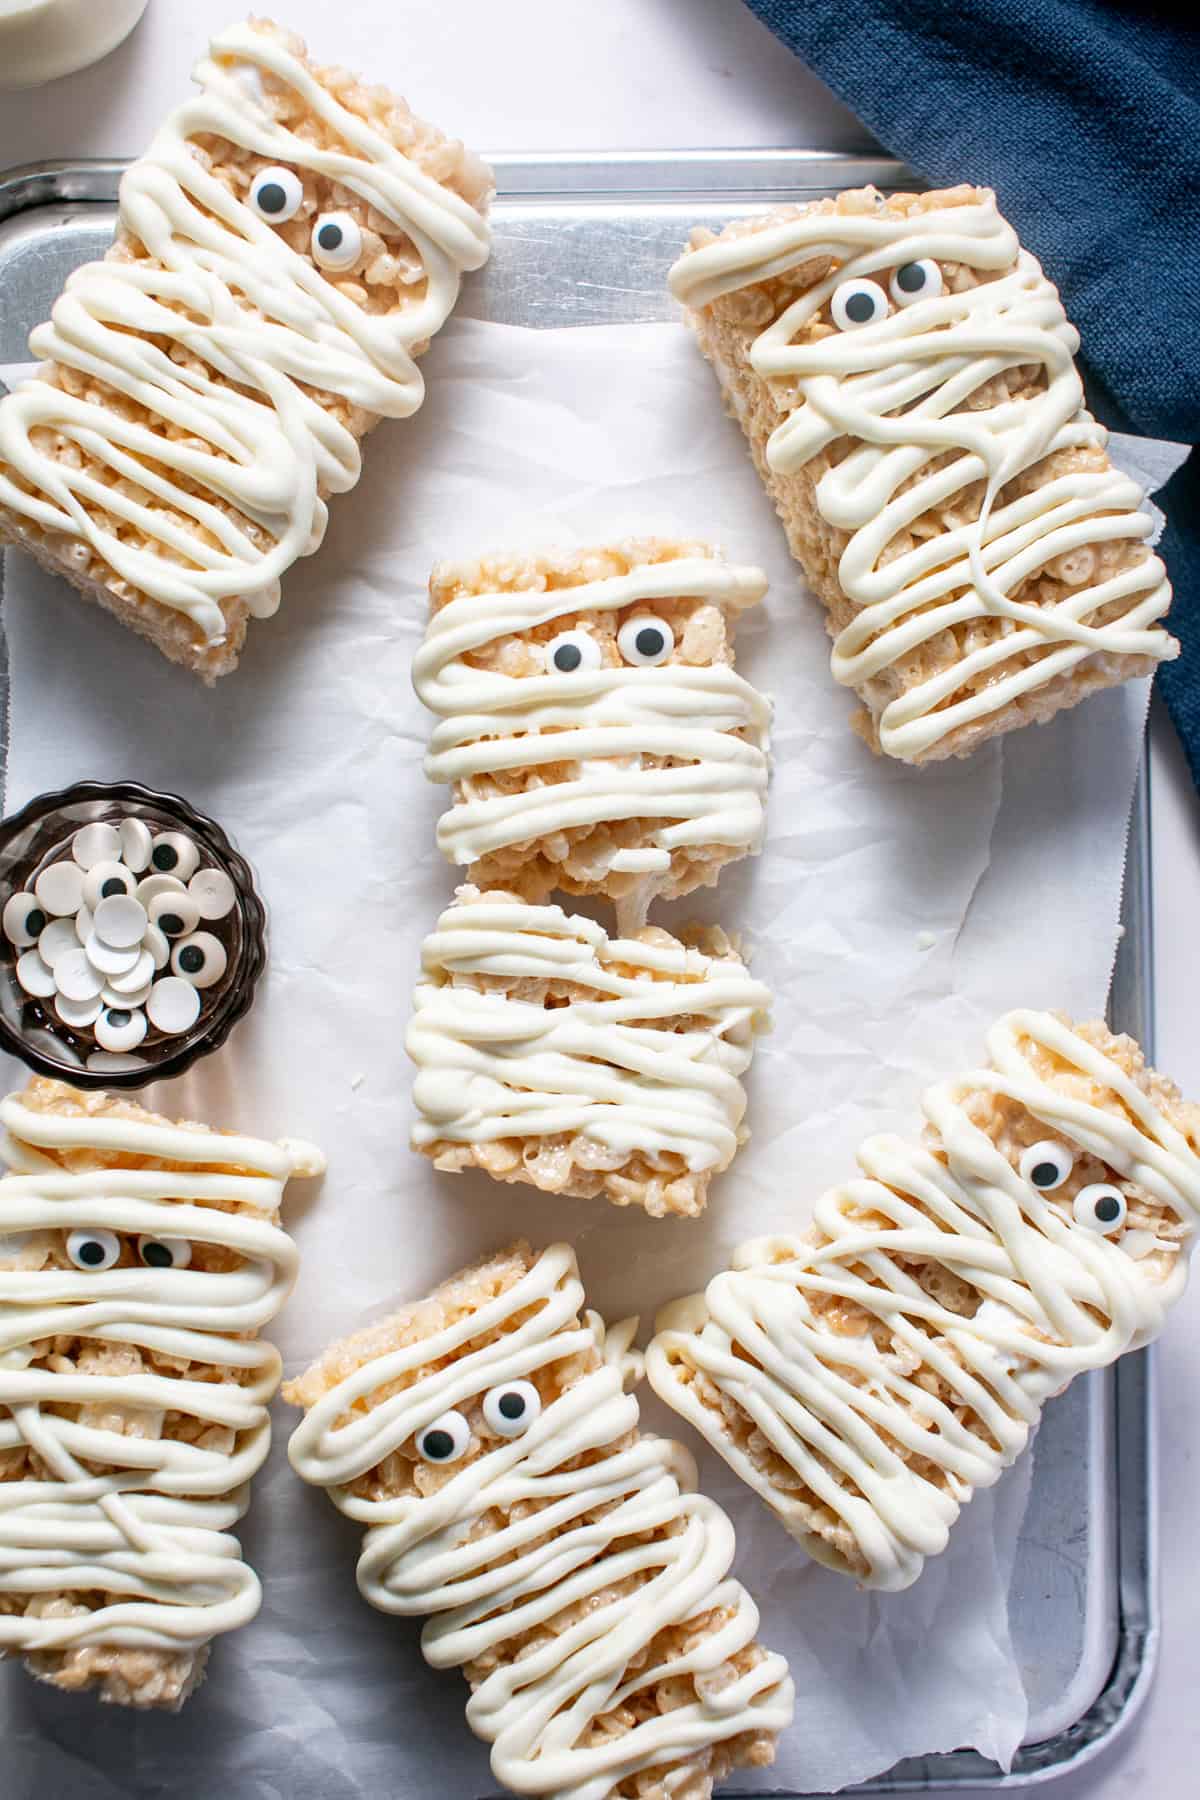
1083, 1600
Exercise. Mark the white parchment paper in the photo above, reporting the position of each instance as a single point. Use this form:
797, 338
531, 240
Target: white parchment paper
894, 913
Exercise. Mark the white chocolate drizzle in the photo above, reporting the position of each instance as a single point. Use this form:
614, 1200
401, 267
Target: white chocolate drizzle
632, 1063
254, 323
1055, 1299
149, 1522
604, 721
491, 1590
901, 387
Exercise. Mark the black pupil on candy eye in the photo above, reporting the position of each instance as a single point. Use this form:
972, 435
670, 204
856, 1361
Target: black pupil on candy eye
568, 657
1045, 1174
35, 922
118, 1019
649, 641
271, 197
910, 278
860, 308
156, 1255
91, 1252
191, 959
437, 1444
171, 923
1107, 1209
165, 856
511, 1406
114, 885
330, 237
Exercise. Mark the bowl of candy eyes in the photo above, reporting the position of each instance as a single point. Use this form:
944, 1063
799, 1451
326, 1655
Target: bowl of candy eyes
131, 935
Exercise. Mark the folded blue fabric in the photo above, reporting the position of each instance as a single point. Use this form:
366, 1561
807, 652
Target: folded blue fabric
1085, 118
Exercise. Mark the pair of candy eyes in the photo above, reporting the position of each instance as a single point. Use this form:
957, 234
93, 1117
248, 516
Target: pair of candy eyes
508, 1411
95, 1251
335, 242
1100, 1206
643, 641
862, 302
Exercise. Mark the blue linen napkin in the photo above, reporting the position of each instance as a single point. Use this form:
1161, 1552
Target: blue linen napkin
1085, 118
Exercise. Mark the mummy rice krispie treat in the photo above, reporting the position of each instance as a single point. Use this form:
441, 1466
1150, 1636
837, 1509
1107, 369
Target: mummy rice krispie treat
138, 1260
485, 1438
866, 1377
548, 1052
287, 246
904, 373
592, 727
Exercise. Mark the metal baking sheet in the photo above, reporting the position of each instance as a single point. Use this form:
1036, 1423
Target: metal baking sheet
1084, 1601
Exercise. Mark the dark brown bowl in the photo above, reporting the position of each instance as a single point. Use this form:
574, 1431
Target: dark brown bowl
48, 823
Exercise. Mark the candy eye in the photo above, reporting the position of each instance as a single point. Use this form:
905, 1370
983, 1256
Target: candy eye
336, 241
200, 959
1101, 1207
446, 1440
104, 879
173, 854
94, 1251
511, 1409
916, 281
175, 913
24, 920
165, 1252
1046, 1166
857, 303
120, 1028
135, 844
645, 641
573, 652
276, 195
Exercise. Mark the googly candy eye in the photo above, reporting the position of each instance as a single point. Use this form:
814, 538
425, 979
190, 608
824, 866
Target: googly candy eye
94, 1251
120, 1028
1046, 1166
173, 854
136, 842
78, 1014
96, 843
511, 1409
573, 653
200, 959
916, 281
24, 919
174, 913
858, 303
447, 1440
59, 889
276, 195
173, 1006
150, 885
119, 921
34, 976
165, 1252
213, 892
336, 242
645, 641
1100, 1207
104, 879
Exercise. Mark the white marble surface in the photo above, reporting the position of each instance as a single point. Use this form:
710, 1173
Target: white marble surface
580, 74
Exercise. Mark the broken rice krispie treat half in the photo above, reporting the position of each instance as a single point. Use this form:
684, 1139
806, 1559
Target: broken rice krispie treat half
867, 1376
486, 1440
287, 246
550, 1053
138, 1261
904, 373
591, 726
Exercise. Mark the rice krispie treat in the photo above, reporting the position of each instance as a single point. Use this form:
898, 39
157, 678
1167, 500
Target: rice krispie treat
866, 1377
591, 725
138, 1259
903, 371
485, 1438
550, 1053
287, 246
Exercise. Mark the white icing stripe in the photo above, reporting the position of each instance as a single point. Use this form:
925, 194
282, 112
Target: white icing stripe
488, 1591
602, 721
242, 307
152, 1529
615, 1066
928, 358
1056, 1299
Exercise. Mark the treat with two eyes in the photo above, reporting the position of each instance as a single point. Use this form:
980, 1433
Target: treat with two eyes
138, 1261
287, 246
486, 1439
903, 370
590, 723
548, 1052
867, 1376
